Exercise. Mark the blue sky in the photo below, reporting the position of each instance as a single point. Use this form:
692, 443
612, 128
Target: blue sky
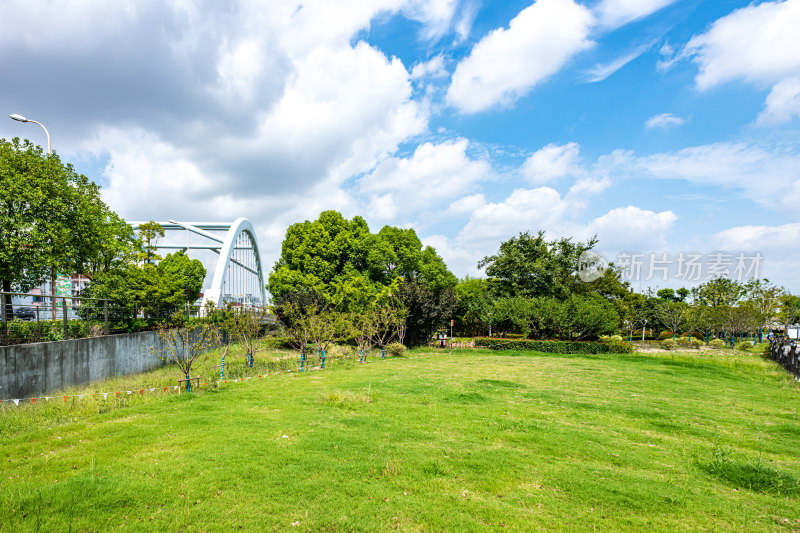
664, 127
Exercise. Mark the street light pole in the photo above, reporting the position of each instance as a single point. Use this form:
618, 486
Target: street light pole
20, 118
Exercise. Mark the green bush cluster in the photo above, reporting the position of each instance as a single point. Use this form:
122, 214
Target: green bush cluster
566, 347
716, 343
669, 344
611, 338
396, 349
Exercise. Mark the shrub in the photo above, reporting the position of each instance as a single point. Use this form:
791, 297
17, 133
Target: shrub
717, 343
669, 344
683, 340
565, 347
611, 338
696, 343
695, 334
744, 346
338, 351
665, 335
396, 349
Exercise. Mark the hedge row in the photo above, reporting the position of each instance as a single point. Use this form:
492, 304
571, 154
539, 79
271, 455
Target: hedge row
567, 347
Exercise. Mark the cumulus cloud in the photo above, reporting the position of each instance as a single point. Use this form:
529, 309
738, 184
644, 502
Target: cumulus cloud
758, 44
507, 63
631, 228
664, 120
246, 104
552, 162
544, 208
418, 182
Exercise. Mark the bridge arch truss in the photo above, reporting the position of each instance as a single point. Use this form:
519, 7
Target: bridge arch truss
238, 277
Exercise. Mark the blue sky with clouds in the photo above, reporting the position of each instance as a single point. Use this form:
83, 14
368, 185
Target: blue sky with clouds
661, 126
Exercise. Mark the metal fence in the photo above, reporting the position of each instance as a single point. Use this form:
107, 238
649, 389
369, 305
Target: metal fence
786, 352
51, 318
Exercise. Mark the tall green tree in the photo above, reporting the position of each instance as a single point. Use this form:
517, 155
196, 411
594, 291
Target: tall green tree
529, 265
765, 299
51, 218
718, 291
350, 267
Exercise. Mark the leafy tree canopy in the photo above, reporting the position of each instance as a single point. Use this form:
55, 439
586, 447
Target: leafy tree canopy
349, 266
718, 291
52, 219
159, 290
530, 265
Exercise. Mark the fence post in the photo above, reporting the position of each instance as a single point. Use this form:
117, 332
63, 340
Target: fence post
105, 315
66, 321
4, 339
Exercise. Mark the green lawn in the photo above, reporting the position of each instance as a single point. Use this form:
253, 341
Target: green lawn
469, 441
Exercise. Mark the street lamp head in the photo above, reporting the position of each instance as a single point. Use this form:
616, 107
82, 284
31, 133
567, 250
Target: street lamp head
19, 118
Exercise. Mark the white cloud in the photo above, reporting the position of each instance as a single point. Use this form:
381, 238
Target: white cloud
433, 172
433, 68
631, 228
463, 26
523, 210
664, 120
758, 44
601, 72
778, 261
507, 63
769, 175
435, 15
466, 205
757, 237
584, 189
616, 13
552, 162
782, 104
340, 119
543, 208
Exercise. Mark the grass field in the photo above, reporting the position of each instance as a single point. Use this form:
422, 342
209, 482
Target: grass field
468, 441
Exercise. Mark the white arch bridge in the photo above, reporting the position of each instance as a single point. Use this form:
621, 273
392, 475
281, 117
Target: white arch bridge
238, 274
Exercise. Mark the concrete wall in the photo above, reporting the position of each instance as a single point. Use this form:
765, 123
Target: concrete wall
29, 370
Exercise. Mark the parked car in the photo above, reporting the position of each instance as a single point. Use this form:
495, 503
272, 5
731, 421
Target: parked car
24, 313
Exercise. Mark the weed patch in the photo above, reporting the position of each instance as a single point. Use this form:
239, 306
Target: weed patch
346, 398
753, 474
